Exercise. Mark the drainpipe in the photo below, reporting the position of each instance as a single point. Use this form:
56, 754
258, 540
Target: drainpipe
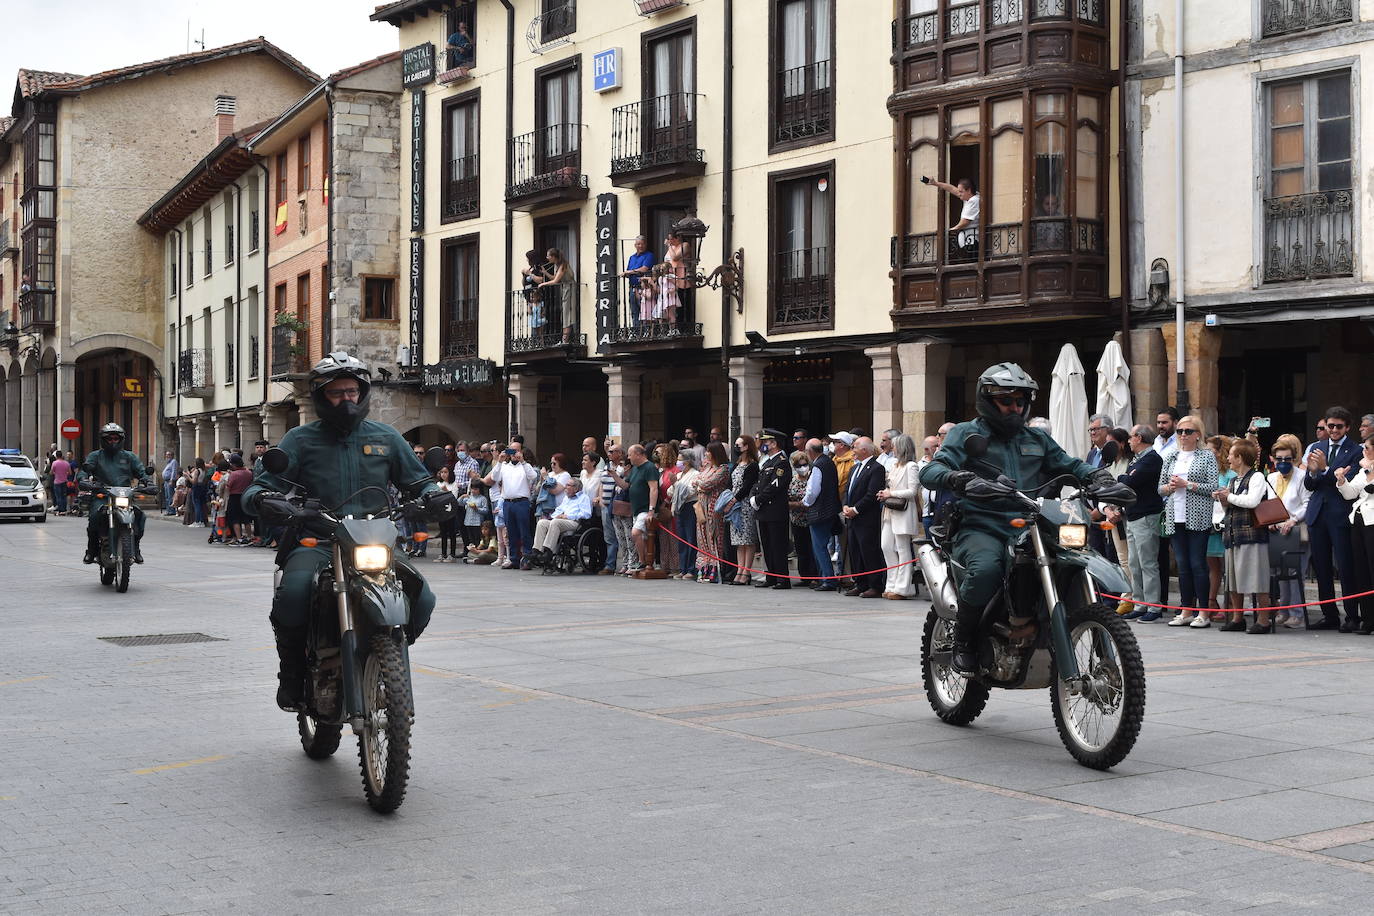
238, 297
1180, 227
327, 332
727, 213
264, 366
510, 216
181, 282
1122, 190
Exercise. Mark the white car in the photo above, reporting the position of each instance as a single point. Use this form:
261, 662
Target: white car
22, 494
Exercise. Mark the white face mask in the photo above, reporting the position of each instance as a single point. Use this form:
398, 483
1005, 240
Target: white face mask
830, 449
804, 471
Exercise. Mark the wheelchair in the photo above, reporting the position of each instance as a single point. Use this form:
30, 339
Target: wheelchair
580, 551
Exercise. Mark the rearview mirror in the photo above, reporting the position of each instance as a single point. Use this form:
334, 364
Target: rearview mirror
275, 461
976, 446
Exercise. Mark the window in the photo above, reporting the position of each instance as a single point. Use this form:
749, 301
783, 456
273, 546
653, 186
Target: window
229, 214
254, 344
1308, 206
172, 253
254, 214
558, 110
231, 367
460, 187
460, 46
557, 19
190, 253
379, 298
458, 299
1281, 17
281, 178
303, 164
801, 227
209, 242
1047, 177
279, 294
303, 296
802, 52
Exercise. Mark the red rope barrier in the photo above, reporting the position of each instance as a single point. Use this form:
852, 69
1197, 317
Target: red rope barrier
674, 536
1215, 610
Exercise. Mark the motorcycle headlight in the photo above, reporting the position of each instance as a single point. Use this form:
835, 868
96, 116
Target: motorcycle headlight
1073, 535
371, 559
121, 502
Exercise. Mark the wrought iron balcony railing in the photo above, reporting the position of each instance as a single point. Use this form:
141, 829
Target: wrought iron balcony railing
655, 312
661, 131
552, 28
196, 373
253, 354
1309, 236
805, 102
288, 356
803, 294
461, 187
9, 244
548, 159
1280, 17
963, 19
459, 331
649, 7
254, 230
547, 320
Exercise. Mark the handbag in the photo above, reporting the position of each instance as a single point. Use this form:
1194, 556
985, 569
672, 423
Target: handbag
621, 508
1271, 511
895, 503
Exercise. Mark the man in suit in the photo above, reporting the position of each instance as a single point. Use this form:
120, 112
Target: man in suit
769, 499
864, 513
1099, 429
822, 502
1328, 519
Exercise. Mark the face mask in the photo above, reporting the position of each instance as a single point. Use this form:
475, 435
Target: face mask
462, 453
804, 470
681, 465
111, 448
734, 452
765, 448
1285, 467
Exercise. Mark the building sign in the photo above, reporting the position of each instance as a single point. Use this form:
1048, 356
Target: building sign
131, 388
607, 290
417, 65
458, 373
417, 160
606, 70
417, 300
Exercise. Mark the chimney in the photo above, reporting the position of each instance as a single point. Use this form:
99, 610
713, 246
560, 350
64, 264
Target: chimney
225, 106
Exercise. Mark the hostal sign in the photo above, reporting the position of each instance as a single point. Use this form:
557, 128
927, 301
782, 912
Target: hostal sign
417, 65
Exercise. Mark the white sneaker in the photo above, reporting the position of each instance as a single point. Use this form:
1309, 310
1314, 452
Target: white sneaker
1182, 621
1200, 622
507, 564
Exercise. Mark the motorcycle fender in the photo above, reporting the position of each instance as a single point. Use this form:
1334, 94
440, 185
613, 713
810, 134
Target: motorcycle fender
383, 604
1105, 573
125, 517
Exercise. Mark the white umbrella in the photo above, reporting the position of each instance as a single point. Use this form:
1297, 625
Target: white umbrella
1114, 386
1069, 404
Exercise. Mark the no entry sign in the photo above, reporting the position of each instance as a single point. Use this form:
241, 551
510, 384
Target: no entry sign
71, 429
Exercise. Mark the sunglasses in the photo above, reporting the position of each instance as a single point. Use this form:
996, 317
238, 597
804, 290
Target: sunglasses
1335, 426
1321, 429
1187, 432
1010, 401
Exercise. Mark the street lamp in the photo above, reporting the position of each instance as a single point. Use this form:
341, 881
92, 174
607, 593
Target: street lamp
12, 337
728, 277
1158, 294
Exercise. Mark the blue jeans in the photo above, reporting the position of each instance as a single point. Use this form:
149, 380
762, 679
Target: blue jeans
820, 546
59, 496
1190, 555
608, 534
168, 488
518, 528
687, 530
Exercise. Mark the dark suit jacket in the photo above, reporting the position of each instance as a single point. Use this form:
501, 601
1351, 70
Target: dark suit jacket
862, 494
1323, 486
1143, 477
770, 492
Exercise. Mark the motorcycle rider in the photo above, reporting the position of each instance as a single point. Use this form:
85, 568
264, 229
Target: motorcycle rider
332, 458
1028, 457
113, 466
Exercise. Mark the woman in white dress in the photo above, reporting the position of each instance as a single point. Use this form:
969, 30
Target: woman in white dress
900, 525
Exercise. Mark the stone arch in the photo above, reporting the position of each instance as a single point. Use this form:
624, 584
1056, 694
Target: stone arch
99, 342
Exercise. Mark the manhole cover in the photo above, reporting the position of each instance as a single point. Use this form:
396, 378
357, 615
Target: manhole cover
160, 639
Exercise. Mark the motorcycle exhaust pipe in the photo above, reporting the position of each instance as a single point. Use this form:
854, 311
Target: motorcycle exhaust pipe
938, 580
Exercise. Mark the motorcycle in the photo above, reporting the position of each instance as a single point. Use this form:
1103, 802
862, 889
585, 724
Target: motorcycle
1047, 626
116, 556
358, 661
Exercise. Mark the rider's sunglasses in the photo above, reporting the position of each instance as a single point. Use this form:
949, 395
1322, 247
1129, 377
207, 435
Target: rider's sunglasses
1187, 432
1010, 400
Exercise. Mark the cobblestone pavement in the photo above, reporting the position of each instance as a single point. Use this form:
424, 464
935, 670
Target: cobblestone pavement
596, 745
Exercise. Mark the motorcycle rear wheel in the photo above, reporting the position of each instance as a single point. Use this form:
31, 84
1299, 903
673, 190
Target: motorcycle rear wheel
124, 558
320, 740
955, 698
1100, 721
384, 745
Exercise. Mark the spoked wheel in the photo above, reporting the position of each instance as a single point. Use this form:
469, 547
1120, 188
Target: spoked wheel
319, 740
384, 745
1099, 715
591, 551
124, 558
955, 699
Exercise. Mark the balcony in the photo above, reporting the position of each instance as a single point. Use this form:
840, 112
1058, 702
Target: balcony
546, 328
1309, 236
196, 373
9, 244
804, 104
1048, 268
288, 357
461, 188
254, 230
1283, 17
458, 338
458, 64
553, 28
36, 311
231, 365
658, 316
803, 294
650, 7
655, 140
546, 167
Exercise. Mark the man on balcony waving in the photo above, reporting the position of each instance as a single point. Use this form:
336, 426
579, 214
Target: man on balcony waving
966, 230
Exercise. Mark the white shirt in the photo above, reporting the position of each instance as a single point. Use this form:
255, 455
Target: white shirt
514, 479
1165, 446
813, 488
563, 478
887, 460
574, 508
971, 210
1182, 465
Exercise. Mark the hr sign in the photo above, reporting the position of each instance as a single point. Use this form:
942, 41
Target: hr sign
606, 70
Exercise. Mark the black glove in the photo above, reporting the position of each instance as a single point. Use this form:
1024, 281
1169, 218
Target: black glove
982, 488
275, 509
957, 481
1101, 478
438, 504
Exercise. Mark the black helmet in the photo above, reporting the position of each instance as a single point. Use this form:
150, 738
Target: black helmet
346, 415
112, 429
1005, 380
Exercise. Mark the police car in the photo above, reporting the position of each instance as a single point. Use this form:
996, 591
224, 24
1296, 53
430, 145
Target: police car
22, 494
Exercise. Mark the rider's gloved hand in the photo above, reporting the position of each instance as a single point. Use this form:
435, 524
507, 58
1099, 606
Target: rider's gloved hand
274, 508
1101, 478
958, 481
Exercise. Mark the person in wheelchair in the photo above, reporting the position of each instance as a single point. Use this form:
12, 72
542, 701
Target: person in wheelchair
566, 519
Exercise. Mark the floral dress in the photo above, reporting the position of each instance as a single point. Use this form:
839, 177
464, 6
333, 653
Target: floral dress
710, 483
746, 533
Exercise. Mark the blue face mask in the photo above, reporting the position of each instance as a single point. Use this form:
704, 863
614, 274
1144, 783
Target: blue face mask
1285, 467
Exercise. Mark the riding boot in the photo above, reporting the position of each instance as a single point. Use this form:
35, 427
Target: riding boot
138, 549
291, 674
964, 657
92, 549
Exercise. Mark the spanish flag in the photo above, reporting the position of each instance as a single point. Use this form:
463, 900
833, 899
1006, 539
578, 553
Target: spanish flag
326, 189
281, 219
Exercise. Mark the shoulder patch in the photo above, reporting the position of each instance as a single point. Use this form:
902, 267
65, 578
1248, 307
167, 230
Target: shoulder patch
373, 448
1032, 448
779, 472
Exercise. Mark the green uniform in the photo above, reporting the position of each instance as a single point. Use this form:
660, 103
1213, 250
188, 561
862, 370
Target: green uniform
333, 467
122, 469
1029, 459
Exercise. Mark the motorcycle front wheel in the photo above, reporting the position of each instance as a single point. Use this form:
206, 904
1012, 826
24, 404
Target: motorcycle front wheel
318, 740
955, 699
384, 745
124, 558
1099, 716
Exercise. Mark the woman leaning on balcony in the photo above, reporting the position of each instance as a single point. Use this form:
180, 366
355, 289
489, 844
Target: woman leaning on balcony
564, 283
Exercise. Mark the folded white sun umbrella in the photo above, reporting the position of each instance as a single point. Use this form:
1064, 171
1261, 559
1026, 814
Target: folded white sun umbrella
1069, 403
